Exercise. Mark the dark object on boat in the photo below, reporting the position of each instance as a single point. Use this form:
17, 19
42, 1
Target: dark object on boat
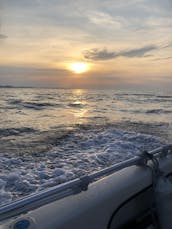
163, 199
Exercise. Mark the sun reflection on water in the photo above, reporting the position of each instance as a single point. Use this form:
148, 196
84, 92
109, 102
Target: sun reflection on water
80, 103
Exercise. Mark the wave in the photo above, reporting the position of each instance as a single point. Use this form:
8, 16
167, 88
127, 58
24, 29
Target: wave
143, 98
4, 132
77, 105
135, 94
32, 105
151, 111
158, 111
37, 106
160, 100
164, 96
14, 101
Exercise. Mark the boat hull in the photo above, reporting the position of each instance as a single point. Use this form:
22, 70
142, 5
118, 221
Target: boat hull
114, 201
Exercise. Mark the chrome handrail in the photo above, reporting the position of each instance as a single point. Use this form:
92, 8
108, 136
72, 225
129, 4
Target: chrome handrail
75, 186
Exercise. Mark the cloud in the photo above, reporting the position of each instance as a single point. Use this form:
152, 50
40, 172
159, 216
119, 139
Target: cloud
97, 54
139, 52
2, 36
163, 58
103, 19
33, 76
168, 45
27, 71
104, 54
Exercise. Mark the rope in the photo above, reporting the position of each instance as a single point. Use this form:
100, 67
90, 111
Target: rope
156, 173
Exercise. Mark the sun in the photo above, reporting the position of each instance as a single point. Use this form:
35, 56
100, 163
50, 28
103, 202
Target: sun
79, 67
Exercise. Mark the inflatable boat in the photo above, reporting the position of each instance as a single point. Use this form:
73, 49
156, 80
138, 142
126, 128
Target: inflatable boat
120, 196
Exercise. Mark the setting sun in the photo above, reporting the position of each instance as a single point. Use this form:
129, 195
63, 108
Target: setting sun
79, 67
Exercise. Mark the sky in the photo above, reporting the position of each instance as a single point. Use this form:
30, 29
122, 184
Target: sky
124, 43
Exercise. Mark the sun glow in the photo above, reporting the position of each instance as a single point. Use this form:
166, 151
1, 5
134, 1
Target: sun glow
79, 67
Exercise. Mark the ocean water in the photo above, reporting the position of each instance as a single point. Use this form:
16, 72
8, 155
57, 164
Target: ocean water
50, 136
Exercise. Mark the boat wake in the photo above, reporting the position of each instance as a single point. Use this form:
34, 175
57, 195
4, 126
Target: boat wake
80, 152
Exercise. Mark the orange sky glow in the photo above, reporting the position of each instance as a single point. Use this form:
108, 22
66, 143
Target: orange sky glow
103, 43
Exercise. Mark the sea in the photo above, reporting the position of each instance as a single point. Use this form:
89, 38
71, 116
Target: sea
50, 136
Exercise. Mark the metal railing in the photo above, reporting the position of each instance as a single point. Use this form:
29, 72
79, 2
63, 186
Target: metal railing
69, 188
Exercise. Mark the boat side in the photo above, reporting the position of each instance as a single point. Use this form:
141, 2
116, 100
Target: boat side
99, 206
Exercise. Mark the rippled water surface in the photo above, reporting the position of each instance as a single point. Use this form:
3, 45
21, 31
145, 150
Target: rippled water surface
49, 136
42, 109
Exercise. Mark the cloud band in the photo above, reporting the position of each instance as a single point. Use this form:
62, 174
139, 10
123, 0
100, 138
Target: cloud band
104, 54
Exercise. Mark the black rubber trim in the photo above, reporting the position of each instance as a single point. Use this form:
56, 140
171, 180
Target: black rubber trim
128, 200
124, 203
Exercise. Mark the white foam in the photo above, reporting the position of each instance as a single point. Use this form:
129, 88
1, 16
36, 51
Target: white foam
79, 154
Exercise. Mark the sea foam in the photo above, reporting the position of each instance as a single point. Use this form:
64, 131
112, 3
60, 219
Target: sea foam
80, 153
